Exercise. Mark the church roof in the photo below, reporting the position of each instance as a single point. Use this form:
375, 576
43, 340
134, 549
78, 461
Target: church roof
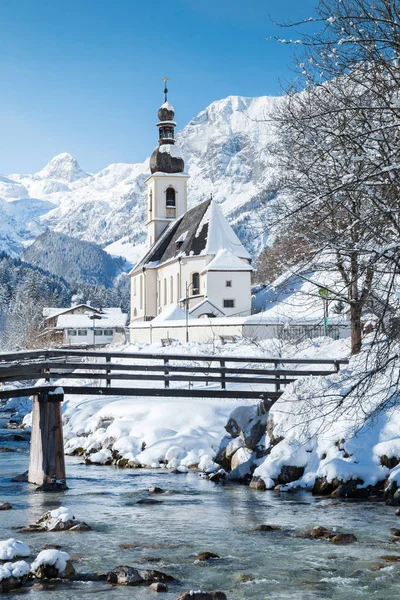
225, 260
201, 231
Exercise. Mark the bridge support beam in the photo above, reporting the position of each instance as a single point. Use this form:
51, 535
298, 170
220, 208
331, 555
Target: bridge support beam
46, 462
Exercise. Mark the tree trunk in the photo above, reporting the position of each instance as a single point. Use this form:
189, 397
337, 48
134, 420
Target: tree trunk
355, 315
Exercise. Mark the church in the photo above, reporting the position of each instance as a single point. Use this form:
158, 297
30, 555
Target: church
194, 259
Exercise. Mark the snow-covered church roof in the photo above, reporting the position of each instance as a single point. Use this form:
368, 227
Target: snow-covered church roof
201, 231
226, 260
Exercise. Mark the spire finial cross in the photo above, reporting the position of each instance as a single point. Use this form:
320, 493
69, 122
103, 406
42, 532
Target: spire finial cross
165, 88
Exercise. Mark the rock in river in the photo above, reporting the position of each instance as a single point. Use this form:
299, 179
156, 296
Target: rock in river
206, 556
202, 596
124, 575
5, 506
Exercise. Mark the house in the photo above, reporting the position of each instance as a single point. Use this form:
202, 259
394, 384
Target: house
194, 258
82, 324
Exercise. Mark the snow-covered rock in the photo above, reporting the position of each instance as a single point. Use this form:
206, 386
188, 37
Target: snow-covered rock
50, 564
12, 548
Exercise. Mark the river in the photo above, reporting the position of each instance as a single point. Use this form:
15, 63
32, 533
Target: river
197, 516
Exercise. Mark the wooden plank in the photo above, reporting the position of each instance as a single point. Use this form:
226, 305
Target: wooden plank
161, 392
196, 357
161, 377
4, 372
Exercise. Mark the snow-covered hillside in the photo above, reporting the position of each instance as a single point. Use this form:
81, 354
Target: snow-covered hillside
226, 151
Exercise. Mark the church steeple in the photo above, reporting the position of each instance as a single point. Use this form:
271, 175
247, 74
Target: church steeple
166, 158
167, 184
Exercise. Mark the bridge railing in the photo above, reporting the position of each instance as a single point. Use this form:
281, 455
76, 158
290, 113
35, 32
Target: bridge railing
111, 372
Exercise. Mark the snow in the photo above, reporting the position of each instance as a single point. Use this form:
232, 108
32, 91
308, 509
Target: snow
63, 514
231, 139
171, 149
220, 234
168, 106
111, 317
226, 260
55, 558
171, 312
330, 433
11, 548
14, 569
175, 431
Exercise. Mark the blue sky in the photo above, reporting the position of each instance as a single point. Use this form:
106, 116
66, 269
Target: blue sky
85, 76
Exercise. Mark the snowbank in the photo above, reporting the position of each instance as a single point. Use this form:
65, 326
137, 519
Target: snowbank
334, 433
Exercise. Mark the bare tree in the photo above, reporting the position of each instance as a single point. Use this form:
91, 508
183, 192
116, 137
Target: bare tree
338, 153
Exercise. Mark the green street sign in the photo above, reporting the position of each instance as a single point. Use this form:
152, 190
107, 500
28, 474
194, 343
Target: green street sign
323, 292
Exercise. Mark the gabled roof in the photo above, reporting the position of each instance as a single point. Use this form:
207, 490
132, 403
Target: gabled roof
200, 231
49, 311
109, 318
225, 260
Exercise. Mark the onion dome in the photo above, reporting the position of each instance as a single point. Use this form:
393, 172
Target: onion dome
166, 112
166, 158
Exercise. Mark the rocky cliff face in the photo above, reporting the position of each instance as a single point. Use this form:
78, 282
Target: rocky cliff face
227, 153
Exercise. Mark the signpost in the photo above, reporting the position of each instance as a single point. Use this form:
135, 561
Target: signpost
324, 293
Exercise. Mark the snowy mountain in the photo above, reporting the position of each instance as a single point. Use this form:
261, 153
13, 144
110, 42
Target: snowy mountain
226, 151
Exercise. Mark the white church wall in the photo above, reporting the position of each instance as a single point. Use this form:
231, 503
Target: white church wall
206, 329
239, 290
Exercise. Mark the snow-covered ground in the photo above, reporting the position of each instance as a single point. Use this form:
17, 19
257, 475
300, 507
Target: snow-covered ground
182, 432
334, 432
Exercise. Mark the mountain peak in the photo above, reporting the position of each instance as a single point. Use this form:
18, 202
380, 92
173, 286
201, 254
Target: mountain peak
63, 167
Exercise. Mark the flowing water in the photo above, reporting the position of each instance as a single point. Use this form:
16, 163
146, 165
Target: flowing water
197, 516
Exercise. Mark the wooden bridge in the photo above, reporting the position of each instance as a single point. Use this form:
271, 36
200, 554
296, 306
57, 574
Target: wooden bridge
49, 374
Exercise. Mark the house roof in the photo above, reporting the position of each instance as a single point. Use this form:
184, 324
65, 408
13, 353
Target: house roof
110, 318
200, 231
225, 260
50, 311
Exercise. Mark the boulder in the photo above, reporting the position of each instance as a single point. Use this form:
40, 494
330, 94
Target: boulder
254, 431
217, 476
317, 532
13, 575
268, 528
398, 512
203, 556
233, 428
389, 462
290, 473
159, 587
220, 457
156, 490
322, 487
81, 526
47, 571
124, 575
244, 471
395, 531
192, 595
257, 483
343, 538
233, 446
241, 455
5, 506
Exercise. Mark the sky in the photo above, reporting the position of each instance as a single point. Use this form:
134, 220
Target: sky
86, 76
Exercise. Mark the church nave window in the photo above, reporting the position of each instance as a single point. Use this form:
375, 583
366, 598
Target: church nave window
195, 284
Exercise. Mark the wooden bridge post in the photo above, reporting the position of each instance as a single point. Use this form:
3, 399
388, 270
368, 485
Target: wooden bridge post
223, 383
46, 461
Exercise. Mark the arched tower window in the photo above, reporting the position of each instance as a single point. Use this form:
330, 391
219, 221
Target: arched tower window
151, 200
170, 198
135, 312
195, 284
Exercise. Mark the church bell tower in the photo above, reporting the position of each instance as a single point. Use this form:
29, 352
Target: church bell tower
167, 184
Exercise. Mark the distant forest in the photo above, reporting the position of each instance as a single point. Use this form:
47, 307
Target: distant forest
25, 288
